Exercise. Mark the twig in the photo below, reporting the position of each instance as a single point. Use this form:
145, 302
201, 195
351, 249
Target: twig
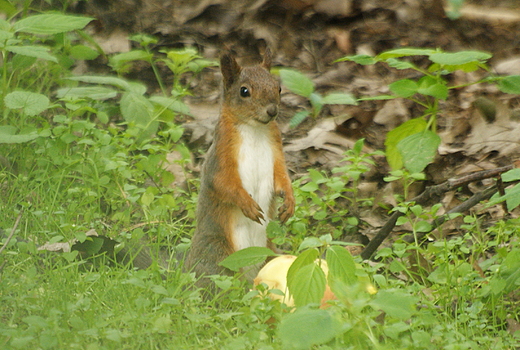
12, 232
434, 192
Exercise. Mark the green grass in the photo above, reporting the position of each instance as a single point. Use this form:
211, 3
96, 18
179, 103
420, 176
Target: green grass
80, 161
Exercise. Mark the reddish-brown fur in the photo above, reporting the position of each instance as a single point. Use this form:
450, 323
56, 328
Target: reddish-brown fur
222, 196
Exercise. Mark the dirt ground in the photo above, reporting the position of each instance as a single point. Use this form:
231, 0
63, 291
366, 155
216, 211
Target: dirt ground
310, 35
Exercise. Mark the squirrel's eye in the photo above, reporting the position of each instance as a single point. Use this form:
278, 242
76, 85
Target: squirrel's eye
244, 92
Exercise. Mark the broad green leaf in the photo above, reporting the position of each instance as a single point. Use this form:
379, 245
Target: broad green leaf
308, 285
418, 150
82, 52
398, 64
96, 79
171, 103
305, 258
30, 103
432, 87
136, 108
459, 58
359, 59
395, 303
310, 242
49, 24
512, 198
339, 99
7, 8
511, 175
510, 84
32, 51
423, 226
119, 61
405, 52
306, 328
297, 82
8, 135
341, 266
93, 92
246, 257
410, 127
404, 88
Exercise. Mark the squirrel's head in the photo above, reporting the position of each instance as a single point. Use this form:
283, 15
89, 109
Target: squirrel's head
250, 93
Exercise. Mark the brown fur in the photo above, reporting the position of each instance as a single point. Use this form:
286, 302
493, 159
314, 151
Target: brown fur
221, 191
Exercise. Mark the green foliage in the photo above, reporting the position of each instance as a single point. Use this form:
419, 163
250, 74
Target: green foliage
325, 203
512, 193
88, 153
414, 143
303, 86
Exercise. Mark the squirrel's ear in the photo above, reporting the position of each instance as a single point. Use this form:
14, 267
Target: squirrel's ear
230, 69
266, 63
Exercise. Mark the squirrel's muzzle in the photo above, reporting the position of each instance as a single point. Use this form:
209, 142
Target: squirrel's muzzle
272, 110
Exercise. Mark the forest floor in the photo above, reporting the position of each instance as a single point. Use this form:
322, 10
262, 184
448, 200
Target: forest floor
478, 124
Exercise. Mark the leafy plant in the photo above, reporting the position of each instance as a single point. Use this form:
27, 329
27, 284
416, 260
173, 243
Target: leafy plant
303, 86
414, 143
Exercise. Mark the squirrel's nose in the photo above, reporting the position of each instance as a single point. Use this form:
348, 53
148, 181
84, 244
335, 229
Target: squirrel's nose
272, 110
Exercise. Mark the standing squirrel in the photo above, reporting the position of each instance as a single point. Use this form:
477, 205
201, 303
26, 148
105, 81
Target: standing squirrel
243, 172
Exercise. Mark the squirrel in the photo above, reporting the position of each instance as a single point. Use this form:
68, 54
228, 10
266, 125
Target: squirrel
243, 173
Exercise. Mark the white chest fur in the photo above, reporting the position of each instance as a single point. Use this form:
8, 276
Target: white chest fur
256, 170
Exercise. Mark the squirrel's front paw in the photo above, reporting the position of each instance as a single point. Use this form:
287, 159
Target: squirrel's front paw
253, 211
286, 210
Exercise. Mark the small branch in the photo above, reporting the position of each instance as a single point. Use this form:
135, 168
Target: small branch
12, 232
434, 192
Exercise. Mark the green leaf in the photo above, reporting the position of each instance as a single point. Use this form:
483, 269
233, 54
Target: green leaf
395, 303
82, 52
48, 24
136, 108
404, 88
32, 51
297, 82
410, 127
432, 87
30, 103
459, 58
172, 104
377, 98
405, 52
307, 285
359, 59
8, 135
341, 266
310, 242
298, 118
95, 79
339, 99
7, 8
305, 258
93, 92
511, 175
246, 257
398, 64
306, 328
119, 62
510, 84
418, 150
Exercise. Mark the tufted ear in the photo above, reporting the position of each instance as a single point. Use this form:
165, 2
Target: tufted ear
229, 68
266, 63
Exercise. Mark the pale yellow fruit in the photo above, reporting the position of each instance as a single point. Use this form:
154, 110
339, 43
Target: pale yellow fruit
274, 275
